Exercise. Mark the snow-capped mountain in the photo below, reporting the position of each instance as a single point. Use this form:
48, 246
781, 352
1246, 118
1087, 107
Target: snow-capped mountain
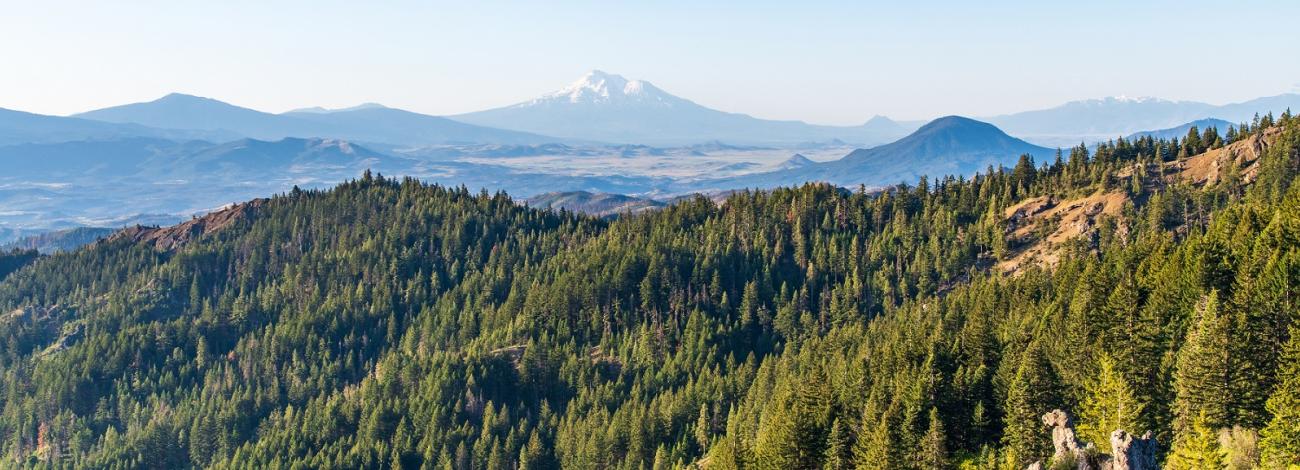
607, 107
606, 89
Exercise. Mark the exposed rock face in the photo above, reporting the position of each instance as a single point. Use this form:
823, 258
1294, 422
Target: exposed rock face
1133, 454
171, 238
1067, 447
1130, 453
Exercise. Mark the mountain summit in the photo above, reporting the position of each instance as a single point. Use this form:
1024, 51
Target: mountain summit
602, 106
601, 88
181, 111
951, 145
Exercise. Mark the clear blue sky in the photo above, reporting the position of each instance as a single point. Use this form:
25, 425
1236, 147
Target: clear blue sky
823, 62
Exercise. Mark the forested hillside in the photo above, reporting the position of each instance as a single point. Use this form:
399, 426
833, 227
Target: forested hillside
393, 324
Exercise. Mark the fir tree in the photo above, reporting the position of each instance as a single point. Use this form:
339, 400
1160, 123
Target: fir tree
1197, 449
1033, 391
934, 446
1110, 405
1280, 439
1203, 379
838, 455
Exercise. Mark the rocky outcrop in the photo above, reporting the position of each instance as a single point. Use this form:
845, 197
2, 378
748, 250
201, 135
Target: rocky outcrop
171, 238
1069, 452
1131, 453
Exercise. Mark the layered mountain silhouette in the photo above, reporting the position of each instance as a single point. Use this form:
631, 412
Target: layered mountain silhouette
163, 160
19, 127
951, 145
607, 107
183, 154
367, 123
1100, 119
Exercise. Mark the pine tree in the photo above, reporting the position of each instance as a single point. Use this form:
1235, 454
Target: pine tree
811, 418
1033, 391
837, 447
776, 446
1203, 379
876, 448
1110, 405
934, 447
702, 428
1197, 449
1280, 439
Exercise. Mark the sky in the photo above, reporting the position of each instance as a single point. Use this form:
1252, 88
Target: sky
821, 62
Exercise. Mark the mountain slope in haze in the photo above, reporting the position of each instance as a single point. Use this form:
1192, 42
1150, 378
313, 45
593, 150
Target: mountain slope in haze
795, 161
375, 123
250, 157
595, 204
181, 111
951, 145
1107, 118
53, 186
323, 110
59, 240
101, 183
94, 159
165, 160
607, 107
366, 123
1178, 132
18, 127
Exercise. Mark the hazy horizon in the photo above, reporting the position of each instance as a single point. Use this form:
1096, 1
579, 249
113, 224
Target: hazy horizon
822, 63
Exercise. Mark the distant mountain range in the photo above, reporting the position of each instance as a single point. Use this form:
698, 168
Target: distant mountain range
1107, 118
598, 108
179, 155
160, 160
366, 123
18, 127
608, 107
950, 145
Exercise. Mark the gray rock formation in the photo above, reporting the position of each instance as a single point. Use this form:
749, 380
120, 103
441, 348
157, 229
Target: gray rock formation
1069, 452
1131, 453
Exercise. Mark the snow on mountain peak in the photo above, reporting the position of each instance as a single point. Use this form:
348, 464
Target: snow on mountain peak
1121, 99
598, 87
1135, 99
